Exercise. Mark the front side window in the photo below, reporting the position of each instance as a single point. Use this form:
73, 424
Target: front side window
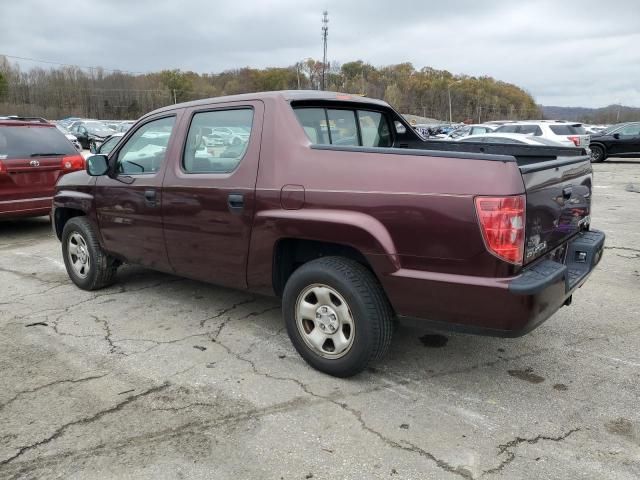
108, 145
217, 140
146, 149
631, 130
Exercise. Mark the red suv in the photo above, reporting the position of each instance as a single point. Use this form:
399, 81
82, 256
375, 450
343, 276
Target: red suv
34, 154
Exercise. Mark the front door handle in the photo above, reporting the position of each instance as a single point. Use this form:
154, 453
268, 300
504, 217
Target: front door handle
150, 197
566, 192
235, 202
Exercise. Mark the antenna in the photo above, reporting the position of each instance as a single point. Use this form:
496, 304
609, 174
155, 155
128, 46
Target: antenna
325, 34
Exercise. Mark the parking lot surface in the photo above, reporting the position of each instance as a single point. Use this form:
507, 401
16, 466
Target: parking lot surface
162, 377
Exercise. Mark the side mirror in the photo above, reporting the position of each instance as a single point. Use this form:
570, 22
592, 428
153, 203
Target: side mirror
97, 165
616, 136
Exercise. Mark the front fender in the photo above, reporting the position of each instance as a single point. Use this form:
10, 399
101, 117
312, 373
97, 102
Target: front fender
73, 196
354, 229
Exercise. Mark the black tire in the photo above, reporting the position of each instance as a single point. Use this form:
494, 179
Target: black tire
371, 312
597, 154
102, 267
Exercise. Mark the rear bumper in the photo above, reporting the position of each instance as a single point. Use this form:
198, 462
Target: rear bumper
28, 207
507, 307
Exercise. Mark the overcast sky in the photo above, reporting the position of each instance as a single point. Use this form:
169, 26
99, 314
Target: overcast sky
569, 53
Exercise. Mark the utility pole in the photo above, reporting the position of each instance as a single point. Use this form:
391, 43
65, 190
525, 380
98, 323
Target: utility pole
174, 96
325, 34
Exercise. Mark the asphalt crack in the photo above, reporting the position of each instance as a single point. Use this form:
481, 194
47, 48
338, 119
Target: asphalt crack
47, 385
83, 421
507, 448
107, 334
226, 310
405, 445
244, 317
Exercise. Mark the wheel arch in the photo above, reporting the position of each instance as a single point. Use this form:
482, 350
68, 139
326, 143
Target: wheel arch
285, 239
66, 205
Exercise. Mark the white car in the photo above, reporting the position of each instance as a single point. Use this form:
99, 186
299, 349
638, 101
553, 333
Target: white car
510, 138
466, 130
568, 134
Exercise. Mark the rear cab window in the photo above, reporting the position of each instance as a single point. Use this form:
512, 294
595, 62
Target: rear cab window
28, 141
345, 126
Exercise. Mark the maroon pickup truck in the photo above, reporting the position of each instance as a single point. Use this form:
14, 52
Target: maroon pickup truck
335, 204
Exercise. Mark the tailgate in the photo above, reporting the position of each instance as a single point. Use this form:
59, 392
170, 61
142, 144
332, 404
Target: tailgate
558, 202
31, 159
30, 178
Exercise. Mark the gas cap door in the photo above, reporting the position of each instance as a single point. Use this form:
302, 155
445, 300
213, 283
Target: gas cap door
292, 197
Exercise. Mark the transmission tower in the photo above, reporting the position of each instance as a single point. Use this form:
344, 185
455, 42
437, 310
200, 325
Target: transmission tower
325, 34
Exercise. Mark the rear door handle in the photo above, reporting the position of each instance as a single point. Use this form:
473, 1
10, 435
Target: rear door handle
150, 197
235, 202
566, 193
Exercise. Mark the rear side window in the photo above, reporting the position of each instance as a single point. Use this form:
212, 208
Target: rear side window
345, 127
529, 130
32, 141
568, 129
217, 140
507, 129
524, 129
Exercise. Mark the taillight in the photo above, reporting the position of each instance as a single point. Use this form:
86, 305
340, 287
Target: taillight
3, 168
502, 224
575, 140
71, 163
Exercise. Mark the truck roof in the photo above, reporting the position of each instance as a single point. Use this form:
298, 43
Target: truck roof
286, 95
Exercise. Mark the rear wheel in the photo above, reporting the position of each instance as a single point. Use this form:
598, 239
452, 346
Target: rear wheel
597, 154
87, 265
337, 315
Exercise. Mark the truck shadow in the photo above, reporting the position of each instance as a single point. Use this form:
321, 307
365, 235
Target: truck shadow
417, 355
26, 226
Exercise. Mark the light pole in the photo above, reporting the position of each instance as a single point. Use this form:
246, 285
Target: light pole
449, 92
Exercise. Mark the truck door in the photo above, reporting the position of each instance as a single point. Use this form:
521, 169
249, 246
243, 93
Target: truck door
129, 205
209, 194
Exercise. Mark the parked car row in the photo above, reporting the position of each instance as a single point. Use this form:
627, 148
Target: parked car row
620, 140
89, 132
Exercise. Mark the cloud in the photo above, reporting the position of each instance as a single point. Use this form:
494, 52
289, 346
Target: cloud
574, 53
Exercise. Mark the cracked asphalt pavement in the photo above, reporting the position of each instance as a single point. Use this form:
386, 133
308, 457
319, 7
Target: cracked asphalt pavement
161, 377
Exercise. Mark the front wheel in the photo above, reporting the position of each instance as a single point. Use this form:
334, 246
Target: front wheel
337, 315
597, 154
88, 266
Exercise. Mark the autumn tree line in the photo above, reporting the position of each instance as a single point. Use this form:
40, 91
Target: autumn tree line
96, 93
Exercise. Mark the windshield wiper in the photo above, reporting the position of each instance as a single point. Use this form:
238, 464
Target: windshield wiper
46, 154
